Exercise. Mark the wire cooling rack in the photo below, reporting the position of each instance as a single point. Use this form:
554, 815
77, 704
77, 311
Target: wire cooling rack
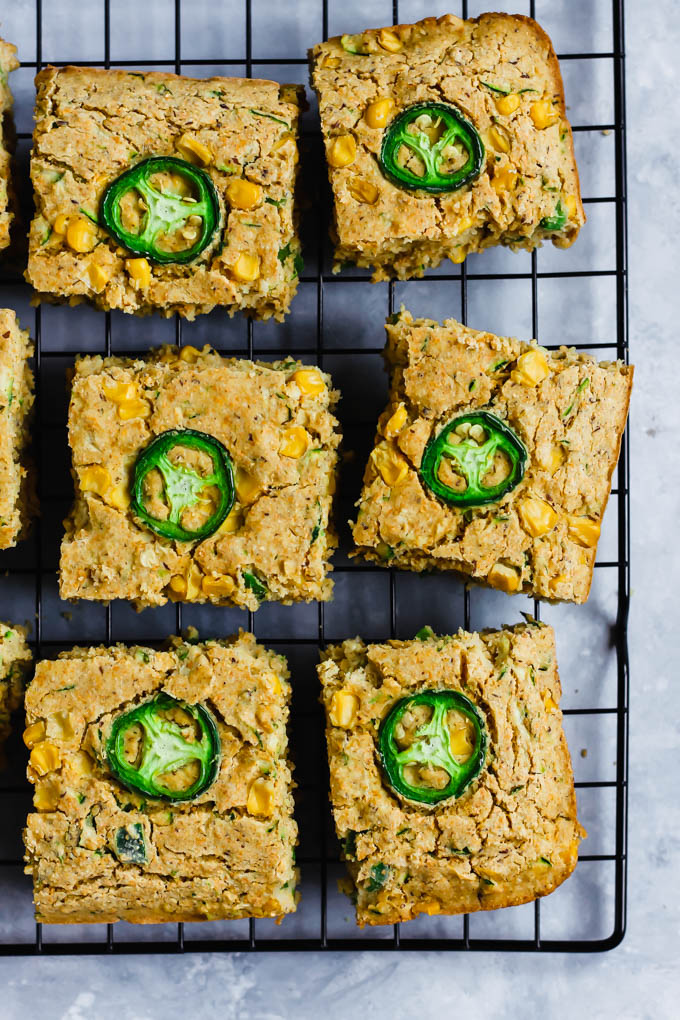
576, 297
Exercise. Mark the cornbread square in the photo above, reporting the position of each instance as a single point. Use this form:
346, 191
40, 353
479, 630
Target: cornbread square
512, 834
8, 62
275, 422
17, 482
501, 73
93, 125
568, 411
15, 658
100, 852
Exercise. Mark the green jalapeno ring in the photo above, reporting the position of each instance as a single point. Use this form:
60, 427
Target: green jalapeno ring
457, 128
474, 461
182, 486
164, 212
164, 749
431, 746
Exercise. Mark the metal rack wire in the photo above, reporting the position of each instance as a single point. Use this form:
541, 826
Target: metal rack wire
30, 571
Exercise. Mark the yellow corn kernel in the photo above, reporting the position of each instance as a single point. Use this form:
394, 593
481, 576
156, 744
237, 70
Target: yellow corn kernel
260, 798
219, 587
178, 586
583, 530
295, 442
95, 479
553, 460
389, 463
118, 496
543, 114
189, 354
309, 381
243, 194
570, 206
343, 710
396, 422
140, 271
556, 581
507, 104
120, 392
389, 40
45, 757
549, 702
246, 269
461, 745
458, 256
532, 368
60, 224
190, 146
342, 151
99, 277
46, 797
504, 577
286, 144
34, 733
363, 191
247, 486
81, 234
273, 683
331, 62
378, 112
430, 907
537, 516
135, 408
504, 179
81, 764
232, 522
499, 140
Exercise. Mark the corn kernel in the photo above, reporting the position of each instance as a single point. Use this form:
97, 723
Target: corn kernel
243, 194
46, 797
45, 757
570, 206
363, 191
532, 368
118, 496
189, 354
81, 764
81, 234
537, 516
60, 224
140, 271
331, 62
553, 460
120, 392
273, 683
430, 907
342, 151
583, 530
99, 277
295, 442
396, 422
549, 702
504, 577
378, 112
34, 733
246, 269
286, 144
232, 522
309, 381
389, 40
94, 479
556, 581
543, 114
190, 146
504, 179
460, 743
178, 586
390, 463
458, 256
343, 710
260, 798
499, 139
136, 408
219, 587
247, 486
507, 104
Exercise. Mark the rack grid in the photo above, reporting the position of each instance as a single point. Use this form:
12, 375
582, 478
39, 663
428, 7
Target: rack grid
591, 907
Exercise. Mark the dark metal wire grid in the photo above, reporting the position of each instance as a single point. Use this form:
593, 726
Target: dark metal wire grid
321, 862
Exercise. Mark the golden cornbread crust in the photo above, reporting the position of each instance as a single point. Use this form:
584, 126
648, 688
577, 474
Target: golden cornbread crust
17, 481
15, 658
512, 835
279, 529
527, 168
8, 62
571, 423
92, 125
206, 859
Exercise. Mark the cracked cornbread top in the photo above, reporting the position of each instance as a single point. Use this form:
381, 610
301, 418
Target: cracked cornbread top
8, 62
15, 658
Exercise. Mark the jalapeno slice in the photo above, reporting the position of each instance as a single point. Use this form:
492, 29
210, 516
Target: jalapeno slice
432, 746
557, 221
473, 443
165, 748
180, 488
163, 213
425, 148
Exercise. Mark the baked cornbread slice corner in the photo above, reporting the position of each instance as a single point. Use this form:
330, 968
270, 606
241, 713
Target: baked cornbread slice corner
272, 421
239, 136
18, 502
568, 413
512, 834
101, 851
500, 74
15, 659
8, 62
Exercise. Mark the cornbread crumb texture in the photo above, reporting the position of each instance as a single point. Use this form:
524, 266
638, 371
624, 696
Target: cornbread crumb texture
569, 412
500, 71
99, 852
15, 658
512, 835
276, 424
93, 125
8, 62
17, 482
